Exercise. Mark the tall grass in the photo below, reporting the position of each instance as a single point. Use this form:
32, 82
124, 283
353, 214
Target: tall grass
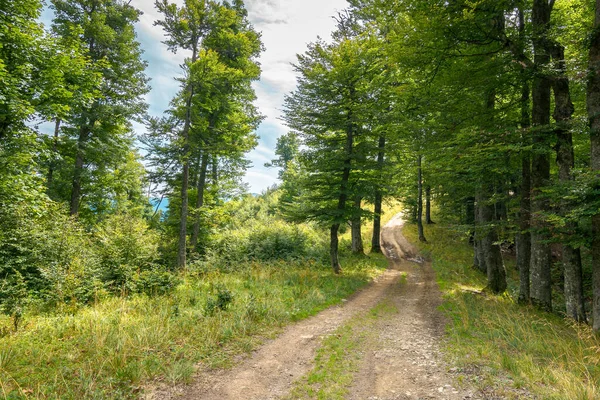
110, 349
500, 345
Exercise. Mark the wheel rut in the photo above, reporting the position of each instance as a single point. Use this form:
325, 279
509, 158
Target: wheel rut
400, 359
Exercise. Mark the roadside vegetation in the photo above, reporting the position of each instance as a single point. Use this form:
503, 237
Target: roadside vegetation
259, 275
497, 344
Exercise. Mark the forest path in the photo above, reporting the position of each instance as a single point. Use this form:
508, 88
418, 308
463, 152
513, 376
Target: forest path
400, 357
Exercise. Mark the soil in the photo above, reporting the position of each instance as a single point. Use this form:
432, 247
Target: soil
400, 358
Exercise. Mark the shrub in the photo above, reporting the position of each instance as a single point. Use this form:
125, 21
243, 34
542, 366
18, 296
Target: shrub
126, 247
153, 282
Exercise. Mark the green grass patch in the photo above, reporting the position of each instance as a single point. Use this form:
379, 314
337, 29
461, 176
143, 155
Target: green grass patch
111, 349
338, 358
491, 338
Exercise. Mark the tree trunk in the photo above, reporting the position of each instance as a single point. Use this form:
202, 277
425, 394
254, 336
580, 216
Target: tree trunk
185, 176
593, 108
428, 219
215, 171
357, 242
541, 282
420, 199
199, 199
523, 239
376, 240
479, 260
565, 159
84, 134
333, 248
490, 249
343, 196
470, 217
54, 153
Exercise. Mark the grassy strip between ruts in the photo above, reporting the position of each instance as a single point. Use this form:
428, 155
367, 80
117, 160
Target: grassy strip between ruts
110, 349
338, 357
500, 346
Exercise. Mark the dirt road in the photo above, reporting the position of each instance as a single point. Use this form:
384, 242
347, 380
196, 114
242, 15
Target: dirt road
400, 359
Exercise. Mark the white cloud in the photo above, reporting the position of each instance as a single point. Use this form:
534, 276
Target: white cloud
287, 27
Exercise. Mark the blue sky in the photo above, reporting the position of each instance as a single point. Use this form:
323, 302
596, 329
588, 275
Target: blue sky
287, 26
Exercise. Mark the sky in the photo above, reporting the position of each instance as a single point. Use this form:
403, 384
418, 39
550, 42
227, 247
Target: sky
287, 26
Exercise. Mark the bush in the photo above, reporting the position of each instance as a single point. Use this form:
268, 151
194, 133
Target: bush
153, 282
263, 241
126, 247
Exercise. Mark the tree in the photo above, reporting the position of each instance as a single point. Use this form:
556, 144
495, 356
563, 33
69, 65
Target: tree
102, 126
593, 109
215, 106
327, 112
287, 148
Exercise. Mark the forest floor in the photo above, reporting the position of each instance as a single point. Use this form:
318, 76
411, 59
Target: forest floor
382, 343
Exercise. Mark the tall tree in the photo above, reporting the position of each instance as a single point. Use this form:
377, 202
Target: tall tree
593, 109
185, 28
215, 106
326, 110
541, 280
103, 126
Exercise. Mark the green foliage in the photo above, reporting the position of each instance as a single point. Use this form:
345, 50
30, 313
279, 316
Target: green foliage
126, 247
13, 295
153, 282
548, 356
119, 344
220, 300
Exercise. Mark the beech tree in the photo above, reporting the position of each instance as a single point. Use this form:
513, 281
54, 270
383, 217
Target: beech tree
215, 106
593, 109
103, 125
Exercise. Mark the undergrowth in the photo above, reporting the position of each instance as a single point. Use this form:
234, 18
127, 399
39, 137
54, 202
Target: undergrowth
109, 350
500, 345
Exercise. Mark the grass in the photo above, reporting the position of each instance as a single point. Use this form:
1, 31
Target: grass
112, 349
499, 345
338, 357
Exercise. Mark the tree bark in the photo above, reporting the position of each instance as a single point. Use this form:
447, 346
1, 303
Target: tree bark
593, 109
420, 199
540, 274
84, 134
376, 239
333, 249
199, 199
50, 176
565, 159
185, 176
428, 219
343, 196
490, 249
523, 239
357, 242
